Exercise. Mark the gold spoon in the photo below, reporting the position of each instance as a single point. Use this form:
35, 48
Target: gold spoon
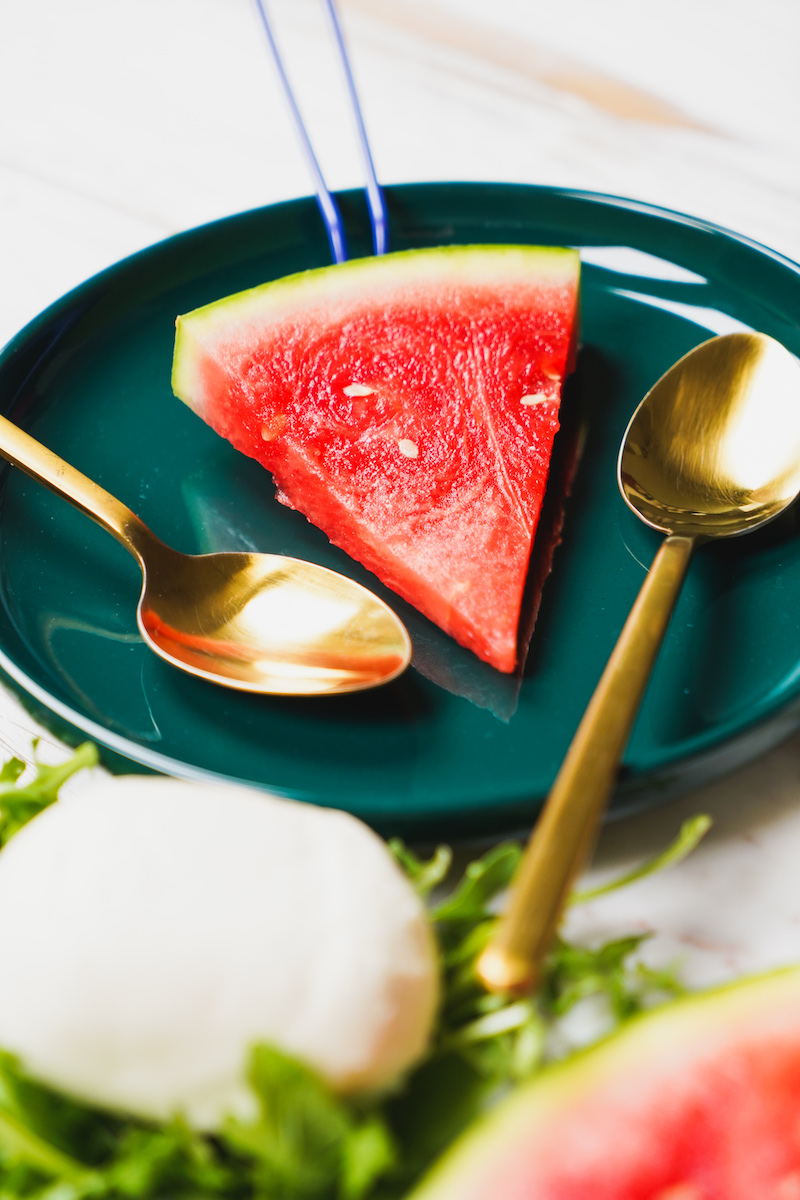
712, 451
257, 622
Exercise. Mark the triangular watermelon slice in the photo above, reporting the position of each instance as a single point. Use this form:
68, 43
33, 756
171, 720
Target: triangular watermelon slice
407, 405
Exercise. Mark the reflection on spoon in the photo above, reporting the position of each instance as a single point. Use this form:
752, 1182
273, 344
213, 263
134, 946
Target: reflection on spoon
256, 622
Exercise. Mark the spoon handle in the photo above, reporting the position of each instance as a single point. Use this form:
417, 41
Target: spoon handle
43, 465
564, 833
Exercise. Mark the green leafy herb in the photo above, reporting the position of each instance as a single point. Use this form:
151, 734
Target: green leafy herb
307, 1142
691, 832
425, 876
19, 803
302, 1141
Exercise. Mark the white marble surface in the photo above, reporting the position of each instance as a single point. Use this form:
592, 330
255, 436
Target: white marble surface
125, 122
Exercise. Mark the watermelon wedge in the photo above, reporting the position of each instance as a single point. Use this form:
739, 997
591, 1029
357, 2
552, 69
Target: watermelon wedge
407, 406
699, 1100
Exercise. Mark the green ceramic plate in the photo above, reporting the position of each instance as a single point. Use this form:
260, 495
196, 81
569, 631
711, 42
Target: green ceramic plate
452, 749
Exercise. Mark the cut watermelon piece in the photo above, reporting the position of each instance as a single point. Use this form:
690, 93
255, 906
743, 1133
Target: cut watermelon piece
697, 1101
407, 406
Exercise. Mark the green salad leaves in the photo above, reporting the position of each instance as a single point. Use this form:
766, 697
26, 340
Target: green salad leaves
305, 1143
19, 802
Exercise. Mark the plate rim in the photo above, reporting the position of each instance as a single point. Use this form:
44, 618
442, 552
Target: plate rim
779, 714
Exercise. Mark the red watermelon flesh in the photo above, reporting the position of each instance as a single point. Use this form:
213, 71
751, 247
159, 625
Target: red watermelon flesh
697, 1101
407, 406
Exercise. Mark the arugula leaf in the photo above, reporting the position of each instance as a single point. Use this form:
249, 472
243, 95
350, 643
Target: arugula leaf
295, 1142
691, 832
20, 1145
306, 1142
505, 1039
483, 880
303, 1141
173, 1161
369, 1153
425, 876
19, 803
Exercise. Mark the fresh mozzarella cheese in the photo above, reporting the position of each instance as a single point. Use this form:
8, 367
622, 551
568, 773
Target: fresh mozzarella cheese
155, 930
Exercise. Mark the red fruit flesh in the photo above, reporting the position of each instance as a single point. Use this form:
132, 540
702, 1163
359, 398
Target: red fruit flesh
411, 418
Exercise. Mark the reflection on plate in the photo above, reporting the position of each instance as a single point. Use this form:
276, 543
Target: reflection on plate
452, 749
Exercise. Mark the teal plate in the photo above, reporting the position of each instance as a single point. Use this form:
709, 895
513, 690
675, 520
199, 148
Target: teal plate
452, 749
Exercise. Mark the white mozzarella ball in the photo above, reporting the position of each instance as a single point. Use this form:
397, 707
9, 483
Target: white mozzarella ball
154, 930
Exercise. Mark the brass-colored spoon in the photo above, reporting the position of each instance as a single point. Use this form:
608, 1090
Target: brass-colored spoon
712, 451
256, 622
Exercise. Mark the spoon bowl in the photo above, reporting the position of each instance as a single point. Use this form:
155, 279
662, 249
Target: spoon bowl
267, 623
712, 451
256, 622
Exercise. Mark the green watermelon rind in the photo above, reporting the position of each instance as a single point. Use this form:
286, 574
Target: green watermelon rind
356, 277
720, 1015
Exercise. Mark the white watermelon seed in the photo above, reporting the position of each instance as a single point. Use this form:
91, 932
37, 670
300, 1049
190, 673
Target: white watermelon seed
407, 447
538, 398
358, 389
273, 427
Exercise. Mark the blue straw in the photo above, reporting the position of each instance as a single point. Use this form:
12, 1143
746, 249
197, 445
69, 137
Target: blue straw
377, 207
327, 204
